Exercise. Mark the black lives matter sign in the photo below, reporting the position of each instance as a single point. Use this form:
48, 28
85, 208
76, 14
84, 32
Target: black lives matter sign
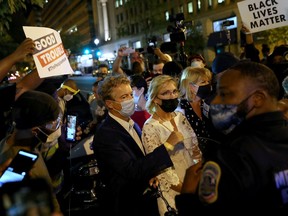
263, 15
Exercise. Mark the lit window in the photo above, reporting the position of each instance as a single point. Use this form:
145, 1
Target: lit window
210, 3
221, 1
120, 2
116, 3
181, 10
166, 15
137, 44
199, 4
73, 29
190, 7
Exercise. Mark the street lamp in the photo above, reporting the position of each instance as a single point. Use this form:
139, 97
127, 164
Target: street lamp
96, 41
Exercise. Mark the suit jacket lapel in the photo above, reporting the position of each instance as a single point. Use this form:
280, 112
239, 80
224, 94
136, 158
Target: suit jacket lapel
131, 144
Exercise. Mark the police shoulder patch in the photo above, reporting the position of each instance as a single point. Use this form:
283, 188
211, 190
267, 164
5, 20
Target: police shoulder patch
208, 186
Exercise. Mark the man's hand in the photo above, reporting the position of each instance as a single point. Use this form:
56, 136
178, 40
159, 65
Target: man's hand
79, 133
154, 182
5, 165
192, 178
121, 52
25, 48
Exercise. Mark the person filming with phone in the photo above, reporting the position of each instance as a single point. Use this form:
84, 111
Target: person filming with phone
136, 62
36, 119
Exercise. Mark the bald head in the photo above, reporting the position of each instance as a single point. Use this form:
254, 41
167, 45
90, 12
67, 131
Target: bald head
71, 83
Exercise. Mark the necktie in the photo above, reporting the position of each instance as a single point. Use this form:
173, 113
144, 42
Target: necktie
136, 137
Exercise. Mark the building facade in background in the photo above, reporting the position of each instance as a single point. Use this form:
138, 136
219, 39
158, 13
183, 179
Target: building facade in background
106, 25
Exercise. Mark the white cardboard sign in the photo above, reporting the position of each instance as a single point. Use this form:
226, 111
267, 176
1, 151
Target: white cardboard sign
49, 55
260, 15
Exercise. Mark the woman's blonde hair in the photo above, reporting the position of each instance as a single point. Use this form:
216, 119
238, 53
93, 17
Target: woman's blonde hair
192, 75
154, 88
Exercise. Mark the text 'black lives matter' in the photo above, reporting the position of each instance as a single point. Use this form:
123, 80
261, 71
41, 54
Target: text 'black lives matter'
265, 13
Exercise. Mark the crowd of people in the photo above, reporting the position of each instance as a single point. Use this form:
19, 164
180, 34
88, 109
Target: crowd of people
166, 138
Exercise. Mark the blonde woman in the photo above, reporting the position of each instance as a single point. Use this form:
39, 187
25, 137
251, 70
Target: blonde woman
161, 104
195, 86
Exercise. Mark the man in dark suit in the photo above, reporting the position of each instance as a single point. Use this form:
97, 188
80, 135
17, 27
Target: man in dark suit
125, 169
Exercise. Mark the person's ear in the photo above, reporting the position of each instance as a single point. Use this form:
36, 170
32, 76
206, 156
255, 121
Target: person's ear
157, 101
141, 90
259, 98
109, 104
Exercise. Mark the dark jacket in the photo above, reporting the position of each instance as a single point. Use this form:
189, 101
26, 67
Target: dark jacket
252, 162
80, 106
125, 170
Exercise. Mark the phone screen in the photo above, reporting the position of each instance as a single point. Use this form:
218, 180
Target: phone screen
71, 128
19, 167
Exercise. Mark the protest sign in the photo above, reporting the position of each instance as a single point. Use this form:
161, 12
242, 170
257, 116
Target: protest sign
49, 55
264, 14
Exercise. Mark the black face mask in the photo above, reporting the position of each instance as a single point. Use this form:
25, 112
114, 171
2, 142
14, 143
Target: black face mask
204, 91
169, 105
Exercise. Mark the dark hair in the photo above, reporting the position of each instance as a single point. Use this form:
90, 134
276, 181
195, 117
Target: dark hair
261, 75
103, 65
281, 50
223, 61
138, 81
111, 82
34, 108
136, 68
265, 48
172, 68
158, 61
196, 56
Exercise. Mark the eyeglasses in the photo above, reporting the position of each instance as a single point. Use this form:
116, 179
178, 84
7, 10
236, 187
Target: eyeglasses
54, 125
169, 92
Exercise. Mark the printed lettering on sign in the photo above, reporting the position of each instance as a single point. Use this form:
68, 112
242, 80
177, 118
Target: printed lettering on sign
264, 14
49, 54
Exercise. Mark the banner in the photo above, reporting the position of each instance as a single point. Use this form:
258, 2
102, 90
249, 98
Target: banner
49, 55
264, 14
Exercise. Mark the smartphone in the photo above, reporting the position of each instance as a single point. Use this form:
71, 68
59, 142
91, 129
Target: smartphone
71, 127
128, 51
19, 167
28, 197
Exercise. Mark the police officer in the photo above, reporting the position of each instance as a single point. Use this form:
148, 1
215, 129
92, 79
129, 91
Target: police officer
249, 169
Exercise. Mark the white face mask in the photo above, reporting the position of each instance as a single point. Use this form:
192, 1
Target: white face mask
45, 138
136, 98
68, 97
128, 108
197, 64
55, 135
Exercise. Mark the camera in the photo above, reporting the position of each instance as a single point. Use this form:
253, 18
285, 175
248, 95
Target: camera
178, 35
177, 32
152, 43
227, 23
